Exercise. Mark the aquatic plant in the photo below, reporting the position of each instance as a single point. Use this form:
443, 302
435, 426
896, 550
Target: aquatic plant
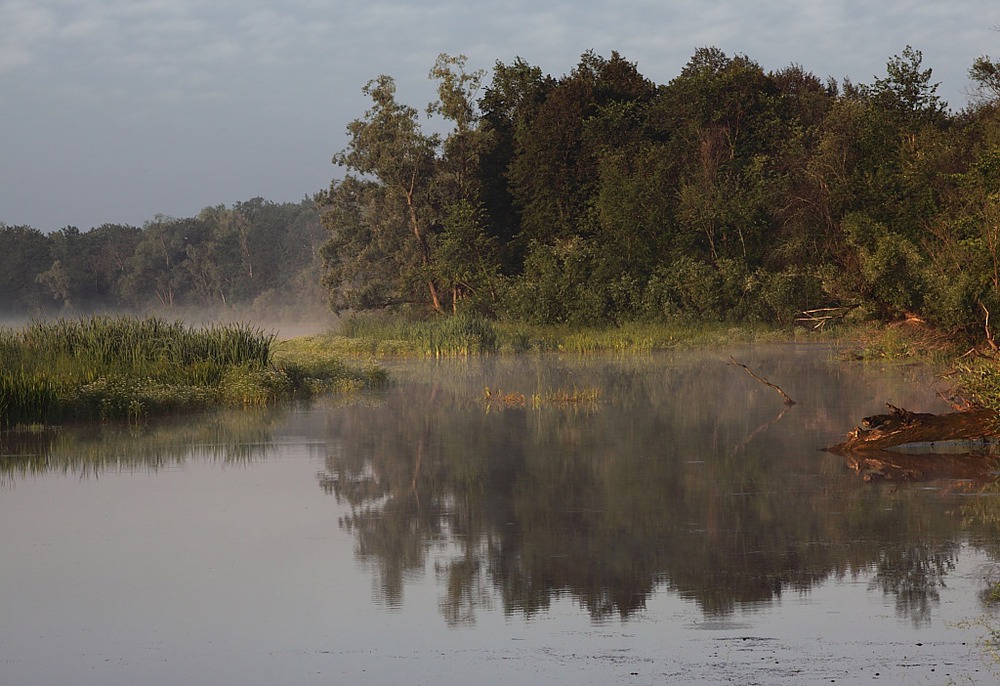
118, 367
497, 398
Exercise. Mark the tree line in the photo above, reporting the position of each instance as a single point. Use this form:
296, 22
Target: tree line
729, 193
255, 253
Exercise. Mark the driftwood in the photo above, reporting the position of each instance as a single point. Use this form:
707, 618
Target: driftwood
820, 316
905, 446
788, 401
901, 427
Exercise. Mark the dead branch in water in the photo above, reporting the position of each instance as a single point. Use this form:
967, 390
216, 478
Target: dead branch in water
788, 401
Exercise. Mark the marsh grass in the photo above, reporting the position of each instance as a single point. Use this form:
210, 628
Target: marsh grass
105, 367
498, 399
465, 334
388, 336
311, 362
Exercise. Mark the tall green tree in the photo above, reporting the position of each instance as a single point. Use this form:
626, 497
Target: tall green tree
389, 146
722, 115
986, 73
508, 104
907, 91
401, 197
161, 272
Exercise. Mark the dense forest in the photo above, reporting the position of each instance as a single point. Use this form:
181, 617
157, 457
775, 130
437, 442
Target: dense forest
256, 256
729, 193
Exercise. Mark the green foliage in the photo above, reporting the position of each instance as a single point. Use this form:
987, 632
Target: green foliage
728, 194
466, 257
986, 72
979, 381
688, 288
892, 268
907, 90
781, 297
24, 254
562, 284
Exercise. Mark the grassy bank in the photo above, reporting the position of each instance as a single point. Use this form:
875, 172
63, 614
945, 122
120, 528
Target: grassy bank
976, 378
375, 336
106, 367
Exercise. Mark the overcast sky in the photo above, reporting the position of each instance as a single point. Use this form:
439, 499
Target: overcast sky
119, 110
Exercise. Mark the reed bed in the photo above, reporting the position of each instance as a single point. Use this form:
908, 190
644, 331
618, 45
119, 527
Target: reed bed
106, 367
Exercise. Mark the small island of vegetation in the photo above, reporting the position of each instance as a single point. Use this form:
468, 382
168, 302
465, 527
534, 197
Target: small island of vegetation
104, 367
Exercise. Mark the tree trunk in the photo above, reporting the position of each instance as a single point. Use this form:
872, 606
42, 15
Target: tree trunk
901, 428
425, 251
917, 446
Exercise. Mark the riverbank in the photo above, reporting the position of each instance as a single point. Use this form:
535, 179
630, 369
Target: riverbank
974, 372
127, 368
393, 336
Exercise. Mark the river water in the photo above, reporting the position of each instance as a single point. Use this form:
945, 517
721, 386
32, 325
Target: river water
662, 519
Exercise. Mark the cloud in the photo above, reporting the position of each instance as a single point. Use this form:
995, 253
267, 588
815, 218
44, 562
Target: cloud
161, 82
23, 27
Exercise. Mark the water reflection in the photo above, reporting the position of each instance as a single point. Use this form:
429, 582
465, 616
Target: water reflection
88, 451
685, 476
913, 573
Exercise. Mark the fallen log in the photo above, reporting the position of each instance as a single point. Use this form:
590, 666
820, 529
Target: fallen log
900, 428
918, 446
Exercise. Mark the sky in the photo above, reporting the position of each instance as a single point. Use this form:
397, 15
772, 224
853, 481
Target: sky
116, 111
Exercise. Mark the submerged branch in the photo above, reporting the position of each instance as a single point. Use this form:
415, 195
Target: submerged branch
788, 401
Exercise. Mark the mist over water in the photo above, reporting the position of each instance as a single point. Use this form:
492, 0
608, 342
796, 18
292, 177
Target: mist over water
684, 527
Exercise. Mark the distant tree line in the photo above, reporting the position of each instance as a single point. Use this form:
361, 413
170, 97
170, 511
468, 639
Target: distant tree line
729, 193
255, 253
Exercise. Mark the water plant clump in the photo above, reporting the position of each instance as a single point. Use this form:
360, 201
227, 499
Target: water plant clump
107, 367
497, 398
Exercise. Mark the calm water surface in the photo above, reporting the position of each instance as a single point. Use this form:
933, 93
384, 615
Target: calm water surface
684, 528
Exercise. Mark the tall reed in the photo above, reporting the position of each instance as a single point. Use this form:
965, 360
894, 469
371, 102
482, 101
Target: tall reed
106, 366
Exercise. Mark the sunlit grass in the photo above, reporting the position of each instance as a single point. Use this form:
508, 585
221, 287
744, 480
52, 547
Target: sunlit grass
386, 336
106, 367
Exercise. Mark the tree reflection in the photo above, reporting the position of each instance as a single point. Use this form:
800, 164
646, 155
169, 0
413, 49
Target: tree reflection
663, 486
913, 574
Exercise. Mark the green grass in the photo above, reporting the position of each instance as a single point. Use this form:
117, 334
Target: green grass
105, 367
386, 336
